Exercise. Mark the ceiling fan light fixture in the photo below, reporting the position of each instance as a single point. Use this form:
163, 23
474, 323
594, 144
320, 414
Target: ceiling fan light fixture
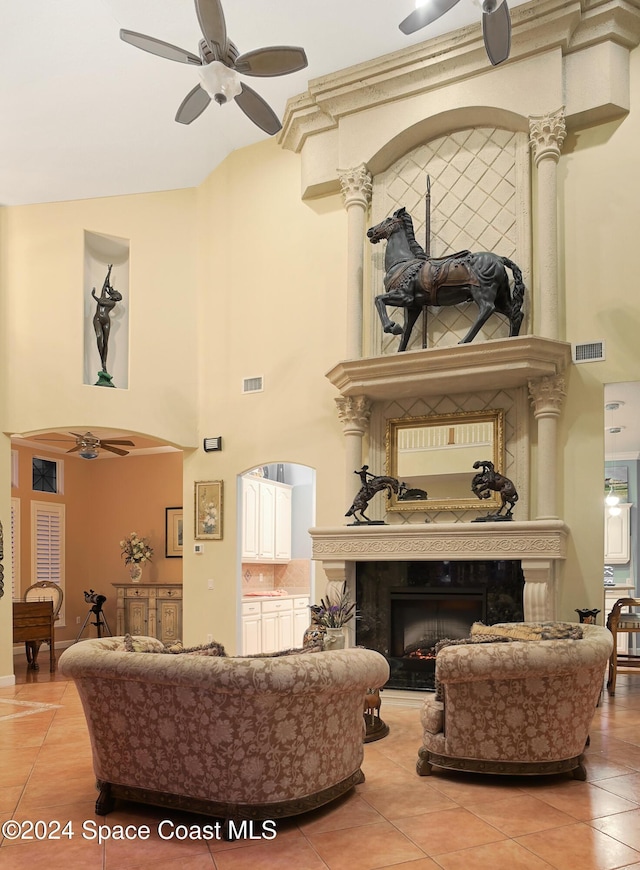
219, 81
88, 453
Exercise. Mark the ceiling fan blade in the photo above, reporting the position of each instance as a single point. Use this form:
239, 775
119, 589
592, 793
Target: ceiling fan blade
275, 60
116, 450
213, 27
496, 30
193, 105
120, 441
426, 14
75, 449
52, 439
86, 435
160, 48
258, 111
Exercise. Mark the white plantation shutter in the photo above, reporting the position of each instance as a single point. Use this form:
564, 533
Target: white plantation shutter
15, 548
47, 545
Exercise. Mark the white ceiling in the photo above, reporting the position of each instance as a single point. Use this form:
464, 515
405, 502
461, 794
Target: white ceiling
83, 114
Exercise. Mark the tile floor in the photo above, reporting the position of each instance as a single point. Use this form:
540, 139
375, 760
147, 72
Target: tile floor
395, 819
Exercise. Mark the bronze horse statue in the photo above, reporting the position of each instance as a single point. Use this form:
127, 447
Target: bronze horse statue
371, 484
412, 280
489, 480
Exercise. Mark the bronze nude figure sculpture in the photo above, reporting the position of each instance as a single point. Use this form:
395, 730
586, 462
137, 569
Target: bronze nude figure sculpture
102, 325
413, 281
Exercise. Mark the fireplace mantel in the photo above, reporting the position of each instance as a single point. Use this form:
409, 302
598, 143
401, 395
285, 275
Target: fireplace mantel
540, 545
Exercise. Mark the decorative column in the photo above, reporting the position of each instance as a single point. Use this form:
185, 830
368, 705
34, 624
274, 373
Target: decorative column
356, 191
354, 413
547, 396
546, 134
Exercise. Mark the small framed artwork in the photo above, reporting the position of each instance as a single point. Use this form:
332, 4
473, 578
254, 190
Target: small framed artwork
173, 532
208, 510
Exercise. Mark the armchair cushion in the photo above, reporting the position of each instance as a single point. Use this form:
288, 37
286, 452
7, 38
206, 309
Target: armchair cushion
530, 630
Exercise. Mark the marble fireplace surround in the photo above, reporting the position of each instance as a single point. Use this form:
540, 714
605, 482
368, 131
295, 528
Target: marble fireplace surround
539, 545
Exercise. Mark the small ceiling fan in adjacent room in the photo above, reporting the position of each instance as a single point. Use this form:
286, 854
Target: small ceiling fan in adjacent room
220, 66
496, 23
88, 445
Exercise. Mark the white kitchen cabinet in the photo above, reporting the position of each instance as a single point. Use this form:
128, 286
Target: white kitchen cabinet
617, 536
277, 624
274, 624
283, 524
266, 520
251, 628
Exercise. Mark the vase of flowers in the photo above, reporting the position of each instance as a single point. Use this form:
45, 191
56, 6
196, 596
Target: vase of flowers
135, 552
334, 613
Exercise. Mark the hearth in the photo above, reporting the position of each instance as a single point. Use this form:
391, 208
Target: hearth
405, 608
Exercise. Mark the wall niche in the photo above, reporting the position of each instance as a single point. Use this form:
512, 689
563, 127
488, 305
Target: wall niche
100, 253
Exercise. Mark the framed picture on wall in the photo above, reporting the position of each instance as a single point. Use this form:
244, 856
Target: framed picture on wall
208, 510
173, 532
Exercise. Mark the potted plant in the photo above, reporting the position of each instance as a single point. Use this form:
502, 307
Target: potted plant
334, 613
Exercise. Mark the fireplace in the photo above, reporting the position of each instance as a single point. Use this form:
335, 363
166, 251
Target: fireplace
405, 608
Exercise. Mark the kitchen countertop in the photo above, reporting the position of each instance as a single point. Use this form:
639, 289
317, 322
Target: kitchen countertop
273, 595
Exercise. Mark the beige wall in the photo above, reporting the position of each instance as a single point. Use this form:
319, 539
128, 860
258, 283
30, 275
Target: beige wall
599, 189
244, 274
105, 500
272, 304
42, 275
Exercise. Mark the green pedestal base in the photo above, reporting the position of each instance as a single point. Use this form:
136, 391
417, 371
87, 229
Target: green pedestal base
104, 380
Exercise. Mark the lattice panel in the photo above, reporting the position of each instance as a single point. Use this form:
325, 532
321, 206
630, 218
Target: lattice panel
514, 405
476, 203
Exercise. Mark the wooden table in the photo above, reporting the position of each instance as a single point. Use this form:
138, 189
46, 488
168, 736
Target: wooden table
33, 623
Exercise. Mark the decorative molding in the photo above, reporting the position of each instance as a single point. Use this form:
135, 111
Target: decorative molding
356, 185
547, 134
547, 35
354, 413
547, 396
517, 540
499, 364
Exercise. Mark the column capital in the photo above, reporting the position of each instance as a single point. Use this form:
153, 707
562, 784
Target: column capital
547, 134
547, 396
356, 185
354, 413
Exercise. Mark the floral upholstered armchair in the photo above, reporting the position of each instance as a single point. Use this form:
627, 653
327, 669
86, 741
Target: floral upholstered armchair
519, 707
234, 738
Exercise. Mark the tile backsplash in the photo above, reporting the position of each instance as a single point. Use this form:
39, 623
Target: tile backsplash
295, 574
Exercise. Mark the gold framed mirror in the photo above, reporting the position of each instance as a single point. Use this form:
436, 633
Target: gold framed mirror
435, 454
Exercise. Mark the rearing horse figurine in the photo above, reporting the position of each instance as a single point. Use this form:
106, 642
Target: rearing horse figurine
413, 280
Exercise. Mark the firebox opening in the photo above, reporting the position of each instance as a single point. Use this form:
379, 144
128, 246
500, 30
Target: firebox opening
418, 621
405, 607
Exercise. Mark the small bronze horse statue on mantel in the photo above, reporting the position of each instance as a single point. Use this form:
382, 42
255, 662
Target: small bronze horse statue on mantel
371, 484
413, 280
489, 480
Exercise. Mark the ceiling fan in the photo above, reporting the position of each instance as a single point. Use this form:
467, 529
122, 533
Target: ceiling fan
496, 24
219, 65
88, 446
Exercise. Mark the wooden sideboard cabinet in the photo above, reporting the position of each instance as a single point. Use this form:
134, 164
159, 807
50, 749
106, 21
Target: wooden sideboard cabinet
151, 609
